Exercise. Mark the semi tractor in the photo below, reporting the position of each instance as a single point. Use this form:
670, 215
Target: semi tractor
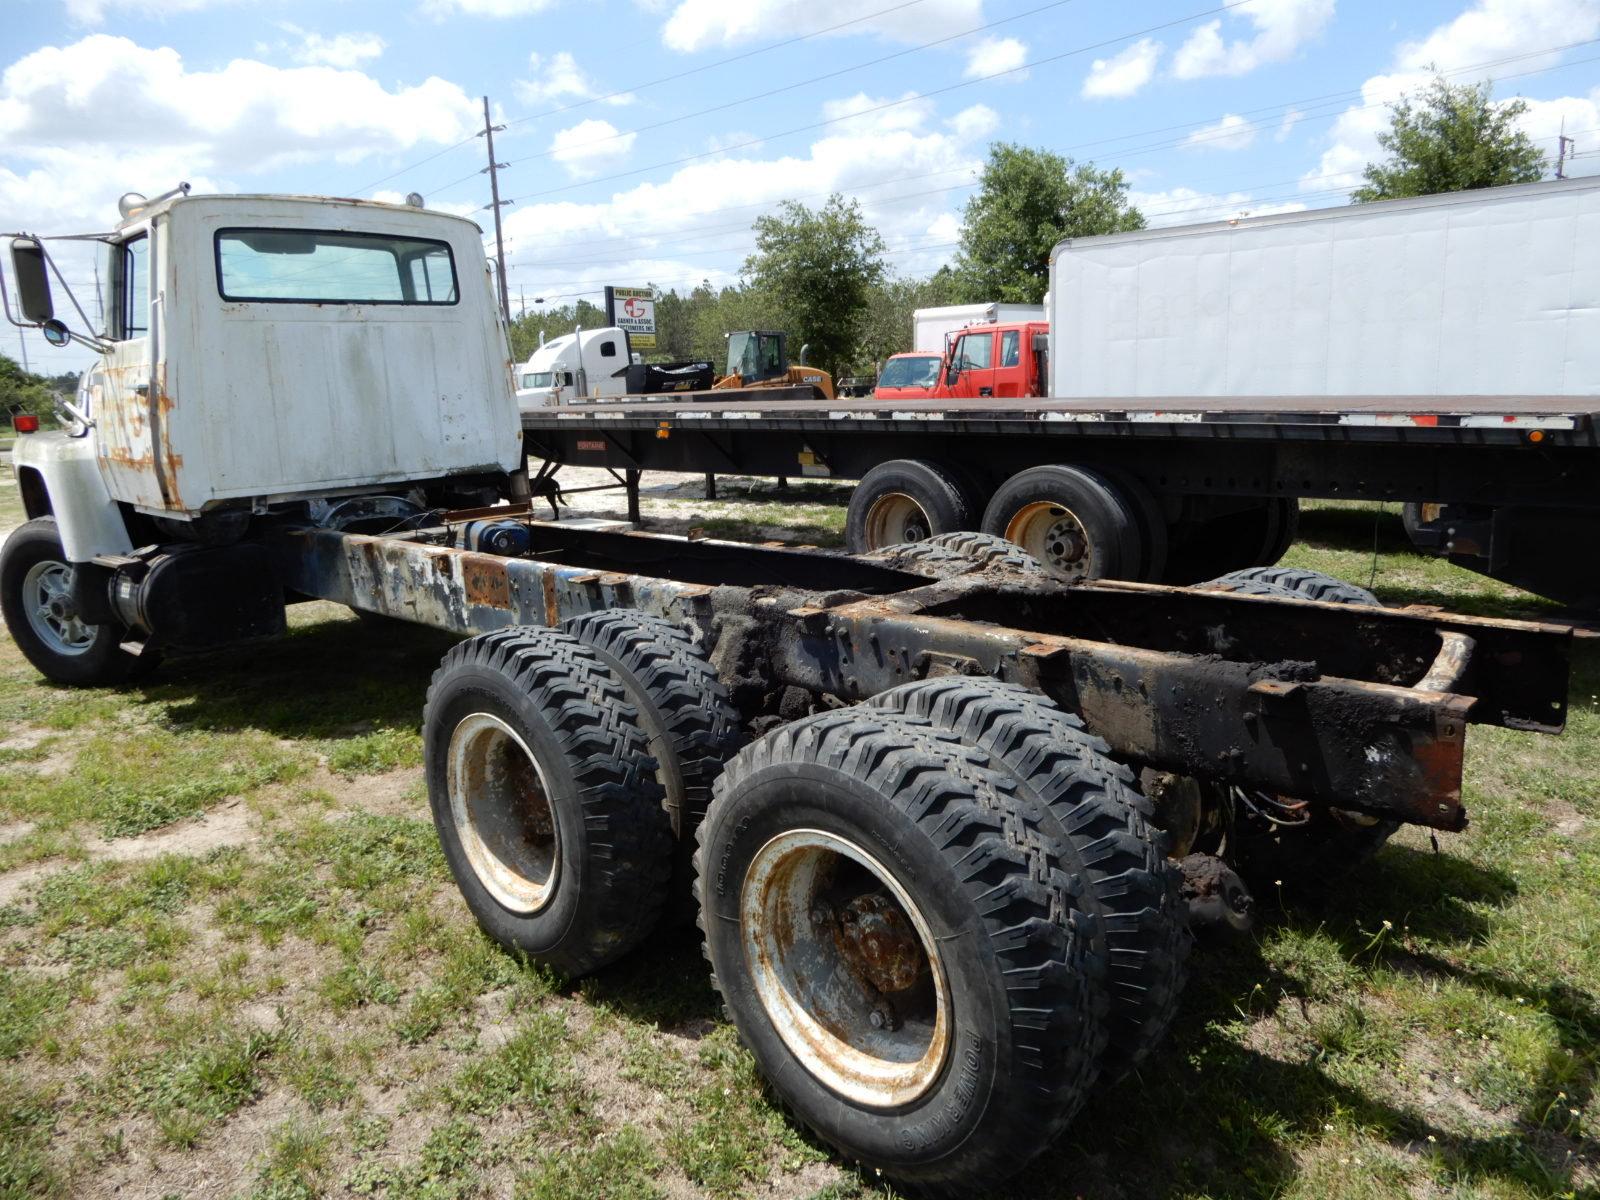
1442, 351
944, 820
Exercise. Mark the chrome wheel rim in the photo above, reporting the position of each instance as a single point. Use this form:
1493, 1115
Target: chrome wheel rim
503, 816
845, 968
1054, 535
46, 591
895, 518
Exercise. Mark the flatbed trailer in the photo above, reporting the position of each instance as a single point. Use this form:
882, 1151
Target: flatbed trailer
1207, 482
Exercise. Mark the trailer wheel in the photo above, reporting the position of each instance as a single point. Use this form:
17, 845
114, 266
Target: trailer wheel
886, 930
1154, 528
1283, 524
691, 723
1421, 523
545, 798
1090, 802
907, 500
1280, 846
34, 580
1073, 520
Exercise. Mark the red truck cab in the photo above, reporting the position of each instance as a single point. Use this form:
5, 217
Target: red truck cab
997, 360
915, 375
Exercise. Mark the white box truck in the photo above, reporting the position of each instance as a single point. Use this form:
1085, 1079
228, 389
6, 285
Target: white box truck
930, 326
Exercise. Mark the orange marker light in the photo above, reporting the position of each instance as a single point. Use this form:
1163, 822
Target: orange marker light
25, 423
1536, 435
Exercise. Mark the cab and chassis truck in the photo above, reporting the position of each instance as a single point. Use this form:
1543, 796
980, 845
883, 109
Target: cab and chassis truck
944, 820
1440, 354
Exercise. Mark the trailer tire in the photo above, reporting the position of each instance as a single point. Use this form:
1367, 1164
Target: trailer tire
1075, 521
1154, 529
1292, 582
33, 573
907, 500
982, 1041
1284, 526
687, 715
545, 798
1421, 529
1277, 859
1091, 802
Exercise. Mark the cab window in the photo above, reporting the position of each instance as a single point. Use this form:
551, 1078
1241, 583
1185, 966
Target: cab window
976, 352
133, 313
1010, 347
608, 349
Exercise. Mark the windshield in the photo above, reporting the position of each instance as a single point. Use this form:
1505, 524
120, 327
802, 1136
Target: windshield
920, 371
325, 266
538, 379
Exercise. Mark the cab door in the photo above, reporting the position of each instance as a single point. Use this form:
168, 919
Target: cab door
972, 365
1010, 372
129, 406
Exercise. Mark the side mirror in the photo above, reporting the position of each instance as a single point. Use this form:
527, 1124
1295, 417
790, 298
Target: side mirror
57, 333
953, 374
32, 274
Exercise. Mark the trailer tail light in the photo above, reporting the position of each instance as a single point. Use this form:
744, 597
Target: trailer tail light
25, 423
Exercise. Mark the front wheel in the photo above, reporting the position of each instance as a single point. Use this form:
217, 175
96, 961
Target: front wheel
35, 597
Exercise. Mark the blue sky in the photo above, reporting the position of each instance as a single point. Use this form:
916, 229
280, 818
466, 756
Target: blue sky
1212, 110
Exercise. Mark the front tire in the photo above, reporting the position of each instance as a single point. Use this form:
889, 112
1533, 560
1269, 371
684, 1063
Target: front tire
545, 799
34, 578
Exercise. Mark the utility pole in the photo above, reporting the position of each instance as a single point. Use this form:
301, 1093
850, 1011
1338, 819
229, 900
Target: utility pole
22, 340
493, 170
1565, 144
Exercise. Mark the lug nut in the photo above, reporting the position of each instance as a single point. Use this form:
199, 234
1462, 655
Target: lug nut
878, 1019
819, 916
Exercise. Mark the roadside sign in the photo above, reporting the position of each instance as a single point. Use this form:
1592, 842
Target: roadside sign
633, 310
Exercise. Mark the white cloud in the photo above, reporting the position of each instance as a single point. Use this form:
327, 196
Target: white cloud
559, 78
441, 9
972, 124
910, 113
86, 122
993, 55
908, 173
1286, 126
1233, 132
698, 24
94, 12
1281, 28
1123, 74
1186, 206
1489, 30
588, 147
340, 50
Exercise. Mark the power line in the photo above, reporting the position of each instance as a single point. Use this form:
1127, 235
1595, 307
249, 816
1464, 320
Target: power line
891, 103
811, 81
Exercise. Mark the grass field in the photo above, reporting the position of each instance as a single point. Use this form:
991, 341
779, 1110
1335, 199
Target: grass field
232, 964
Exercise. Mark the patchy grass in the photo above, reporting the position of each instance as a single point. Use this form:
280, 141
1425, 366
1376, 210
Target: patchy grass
302, 1006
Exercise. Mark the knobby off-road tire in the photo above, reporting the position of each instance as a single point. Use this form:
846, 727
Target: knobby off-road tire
907, 500
1292, 582
813, 817
688, 717
545, 797
1286, 860
1091, 802
962, 552
34, 572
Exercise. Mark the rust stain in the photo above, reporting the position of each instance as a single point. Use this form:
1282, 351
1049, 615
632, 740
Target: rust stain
552, 605
485, 581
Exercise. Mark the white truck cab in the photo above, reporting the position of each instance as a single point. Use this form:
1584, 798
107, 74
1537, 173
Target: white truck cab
260, 358
588, 364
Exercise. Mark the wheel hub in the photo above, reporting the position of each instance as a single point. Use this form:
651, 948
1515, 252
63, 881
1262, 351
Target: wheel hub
845, 968
895, 518
503, 814
53, 618
1054, 535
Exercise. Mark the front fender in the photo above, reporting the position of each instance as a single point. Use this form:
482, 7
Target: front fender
87, 518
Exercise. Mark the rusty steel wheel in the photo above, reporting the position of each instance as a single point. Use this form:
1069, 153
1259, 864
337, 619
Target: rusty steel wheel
503, 816
1077, 522
1054, 534
545, 797
893, 932
907, 500
895, 517
845, 966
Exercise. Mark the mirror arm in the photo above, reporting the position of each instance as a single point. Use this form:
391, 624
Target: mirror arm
89, 340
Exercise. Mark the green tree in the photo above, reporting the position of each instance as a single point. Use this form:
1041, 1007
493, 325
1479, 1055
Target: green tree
551, 322
25, 391
1455, 137
1030, 200
815, 269
887, 329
